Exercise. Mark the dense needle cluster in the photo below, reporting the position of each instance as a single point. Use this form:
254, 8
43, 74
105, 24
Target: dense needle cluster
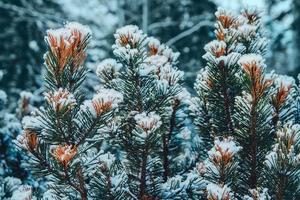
143, 136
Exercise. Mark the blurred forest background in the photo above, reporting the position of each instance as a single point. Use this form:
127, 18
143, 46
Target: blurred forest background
185, 25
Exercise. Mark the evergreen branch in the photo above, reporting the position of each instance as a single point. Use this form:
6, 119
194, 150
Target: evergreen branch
166, 140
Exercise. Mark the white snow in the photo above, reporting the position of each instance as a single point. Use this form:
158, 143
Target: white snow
21, 140
127, 41
61, 99
31, 122
184, 96
285, 148
290, 132
169, 75
24, 192
12, 183
223, 12
252, 59
107, 159
284, 80
247, 31
153, 43
3, 98
109, 66
216, 48
172, 56
224, 145
148, 122
217, 192
104, 96
82, 29
229, 60
26, 95
202, 78
108, 95
66, 33
132, 34
157, 60
59, 34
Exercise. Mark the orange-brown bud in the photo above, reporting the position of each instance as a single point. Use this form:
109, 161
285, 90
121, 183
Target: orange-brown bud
64, 154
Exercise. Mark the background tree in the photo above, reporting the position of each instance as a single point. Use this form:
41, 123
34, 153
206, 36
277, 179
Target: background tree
21, 50
184, 25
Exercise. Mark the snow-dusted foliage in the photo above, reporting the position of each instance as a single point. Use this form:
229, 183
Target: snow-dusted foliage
132, 132
216, 192
283, 162
236, 98
141, 134
220, 168
11, 170
258, 194
56, 136
151, 131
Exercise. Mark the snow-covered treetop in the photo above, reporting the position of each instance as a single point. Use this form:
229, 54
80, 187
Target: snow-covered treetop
103, 101
160, 53
282, 80
108, 70
253, 65
154, 46
128, 42
61, 100
250, 61
65, 43
67, 35
290, 133
216, 48
26, 95
286, 150
240, 28
154, 58
169, 75
252, 14
64, 154
224, 150
225, 18
216, 192
129, 36
148, 122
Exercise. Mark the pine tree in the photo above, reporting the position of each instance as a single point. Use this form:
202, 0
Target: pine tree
237, 98
22, 47
258, 114
152, 131
134, 138
183, 25
218, 83
57, 136
253, 119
